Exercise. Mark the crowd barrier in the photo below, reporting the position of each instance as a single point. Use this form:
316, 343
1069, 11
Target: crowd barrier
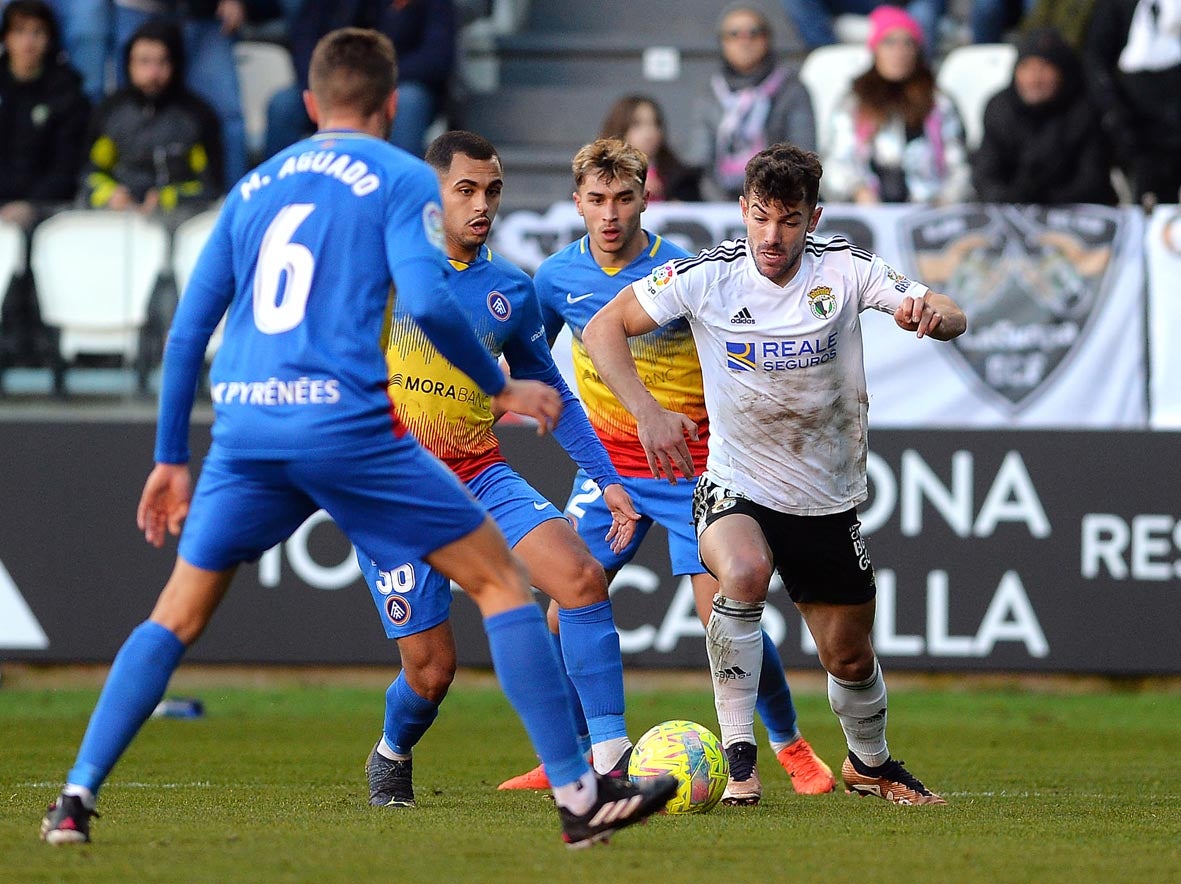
1066, 327
1039, 551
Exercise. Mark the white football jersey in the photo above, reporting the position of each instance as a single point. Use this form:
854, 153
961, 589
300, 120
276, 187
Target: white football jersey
782, 367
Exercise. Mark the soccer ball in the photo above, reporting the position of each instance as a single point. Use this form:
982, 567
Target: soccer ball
692, 754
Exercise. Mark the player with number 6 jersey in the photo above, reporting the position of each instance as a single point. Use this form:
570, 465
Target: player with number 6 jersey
303, 256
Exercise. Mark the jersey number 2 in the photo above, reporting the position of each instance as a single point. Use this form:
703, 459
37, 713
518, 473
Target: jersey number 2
283, 275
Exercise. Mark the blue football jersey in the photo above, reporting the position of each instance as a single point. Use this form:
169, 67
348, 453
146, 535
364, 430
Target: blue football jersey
306, 254
572, 288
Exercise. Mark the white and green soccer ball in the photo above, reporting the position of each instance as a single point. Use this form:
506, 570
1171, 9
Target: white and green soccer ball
691, 753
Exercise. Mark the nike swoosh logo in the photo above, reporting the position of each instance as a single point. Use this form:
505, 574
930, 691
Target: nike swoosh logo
570, 299
540, 506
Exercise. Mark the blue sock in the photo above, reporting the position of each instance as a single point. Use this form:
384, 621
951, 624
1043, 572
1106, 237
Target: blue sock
580, 727
774, 700
134, 686
523, 657
590, 647
407, 715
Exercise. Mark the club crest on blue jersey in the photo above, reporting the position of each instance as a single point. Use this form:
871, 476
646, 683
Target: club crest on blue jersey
398, 610
432, 223
499, 306
740, 356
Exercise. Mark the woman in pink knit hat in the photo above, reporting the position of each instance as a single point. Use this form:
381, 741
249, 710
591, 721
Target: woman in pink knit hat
895, 138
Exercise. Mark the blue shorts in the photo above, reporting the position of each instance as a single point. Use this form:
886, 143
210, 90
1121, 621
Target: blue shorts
412, 597
656, 501
400, 503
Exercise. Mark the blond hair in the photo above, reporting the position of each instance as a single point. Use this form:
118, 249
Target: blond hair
610, 158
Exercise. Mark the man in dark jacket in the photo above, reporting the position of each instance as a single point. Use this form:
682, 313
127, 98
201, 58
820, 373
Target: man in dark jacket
154, 144
1134, 60
1043, 142
43, 114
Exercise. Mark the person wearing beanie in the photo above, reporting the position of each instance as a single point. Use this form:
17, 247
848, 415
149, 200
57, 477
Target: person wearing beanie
1043, 141
754, 101
895, 137
813, 19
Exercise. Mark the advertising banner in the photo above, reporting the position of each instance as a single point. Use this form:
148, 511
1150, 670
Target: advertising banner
1030, 551
1054, 298
1162, 247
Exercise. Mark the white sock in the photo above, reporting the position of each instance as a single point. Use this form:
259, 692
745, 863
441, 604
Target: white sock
384, 750
577, 797
82, 792
861, 707
607, 753
734, 644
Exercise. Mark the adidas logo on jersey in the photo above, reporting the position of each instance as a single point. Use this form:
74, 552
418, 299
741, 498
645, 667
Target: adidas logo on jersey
742, 317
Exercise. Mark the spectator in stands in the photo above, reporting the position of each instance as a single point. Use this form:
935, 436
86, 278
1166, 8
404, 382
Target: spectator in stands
86, 36
639, 121
42, 123
813, 19
43, 114
754, 101
208, 28
1043, 142
1133, 55
425, 38
895, 137
154, 144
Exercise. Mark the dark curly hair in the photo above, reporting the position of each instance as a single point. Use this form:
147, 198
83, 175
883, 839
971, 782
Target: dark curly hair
784, 173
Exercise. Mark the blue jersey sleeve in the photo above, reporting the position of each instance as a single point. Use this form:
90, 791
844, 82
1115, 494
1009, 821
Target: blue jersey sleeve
201, 307
551, 317
528, 356
414, 240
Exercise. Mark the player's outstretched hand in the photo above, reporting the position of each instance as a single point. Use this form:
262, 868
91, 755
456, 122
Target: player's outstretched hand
532, 398
164, 502
917, 315
623, 517
662, 433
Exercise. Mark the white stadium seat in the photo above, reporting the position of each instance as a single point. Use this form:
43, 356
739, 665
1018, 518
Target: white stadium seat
263, 69
970, 76
95, 272
827, 73
187, 243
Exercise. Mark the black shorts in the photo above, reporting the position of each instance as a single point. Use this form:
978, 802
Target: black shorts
819, 558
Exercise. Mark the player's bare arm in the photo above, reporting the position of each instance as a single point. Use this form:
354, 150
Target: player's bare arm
661, 432
532, 398
164, 502
933, 315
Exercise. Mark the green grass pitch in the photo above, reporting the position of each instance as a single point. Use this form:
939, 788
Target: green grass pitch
1043, 786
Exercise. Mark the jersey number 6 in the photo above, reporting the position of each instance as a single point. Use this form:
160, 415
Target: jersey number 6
276, 309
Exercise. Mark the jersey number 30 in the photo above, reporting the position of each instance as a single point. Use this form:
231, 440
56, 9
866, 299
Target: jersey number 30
283, 276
